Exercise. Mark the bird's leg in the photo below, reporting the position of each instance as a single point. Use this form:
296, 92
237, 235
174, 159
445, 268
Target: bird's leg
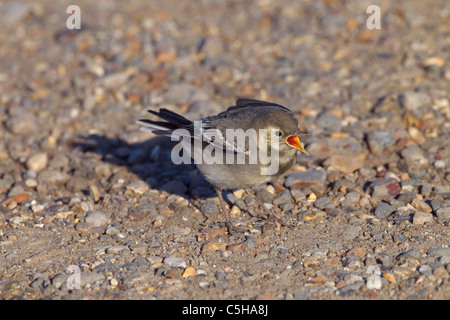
269, 212
228, 223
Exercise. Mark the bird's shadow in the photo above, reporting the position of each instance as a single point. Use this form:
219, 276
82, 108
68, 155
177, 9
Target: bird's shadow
151, 161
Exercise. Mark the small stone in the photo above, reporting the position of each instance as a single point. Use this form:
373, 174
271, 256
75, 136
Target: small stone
425, 189
306, 178
407, 197
413, 100
235, 210
439, 252
420, 218
82, 227
112, 231
390, 277
116, 249
352, 197
415, 160
265, 196
209, 208
113, 282
91, 277
439, 164
31, 183
324, 203
312, 197
174, 262
103, 170
383, 210
347, 163
329, 121
174, 186
436, 204
138, 187
139, 248
443, 213
21, 122
114, 80
421, 206
214, 246
298, 195
384, 188
95, 193
410, 253
96, 218
37, 162
201, 192
351, 232
283, 197
378, 140
189, 272
17, 199
15, 221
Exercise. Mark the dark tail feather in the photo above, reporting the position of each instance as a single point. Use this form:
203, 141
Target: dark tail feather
169, 126
172, 117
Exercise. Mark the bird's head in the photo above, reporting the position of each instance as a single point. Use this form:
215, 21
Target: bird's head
284, 126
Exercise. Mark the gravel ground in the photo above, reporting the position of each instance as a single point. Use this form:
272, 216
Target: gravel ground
87, 197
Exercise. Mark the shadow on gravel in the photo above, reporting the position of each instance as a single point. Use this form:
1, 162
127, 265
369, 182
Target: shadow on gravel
151, 161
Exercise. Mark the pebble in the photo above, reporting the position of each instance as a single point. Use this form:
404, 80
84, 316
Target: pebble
443, 213
410, 253
420, 218
378, 140
351, 232
439, 252
324, 203
414, 157
15, 221
21, 122
413, 100
189, 272
209, 208
439, 164
175, 262
383, 210
139, 248
174, 186
214, 246
116, 249
37, 162
96, 218
138, 187
282, 197
407, 197
347, 163
421, 206
382, 188
306, 178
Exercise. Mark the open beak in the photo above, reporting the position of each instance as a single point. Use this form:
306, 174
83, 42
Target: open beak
294, 142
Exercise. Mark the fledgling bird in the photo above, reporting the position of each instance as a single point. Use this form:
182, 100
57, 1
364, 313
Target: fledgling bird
247, 115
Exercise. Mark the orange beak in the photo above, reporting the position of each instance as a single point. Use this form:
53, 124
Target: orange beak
294, 142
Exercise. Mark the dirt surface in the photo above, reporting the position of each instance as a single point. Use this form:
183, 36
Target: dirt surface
93, 208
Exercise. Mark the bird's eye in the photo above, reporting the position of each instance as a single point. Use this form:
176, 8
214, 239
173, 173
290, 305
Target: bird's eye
278, 133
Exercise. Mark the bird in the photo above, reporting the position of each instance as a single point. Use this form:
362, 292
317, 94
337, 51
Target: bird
241, 133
